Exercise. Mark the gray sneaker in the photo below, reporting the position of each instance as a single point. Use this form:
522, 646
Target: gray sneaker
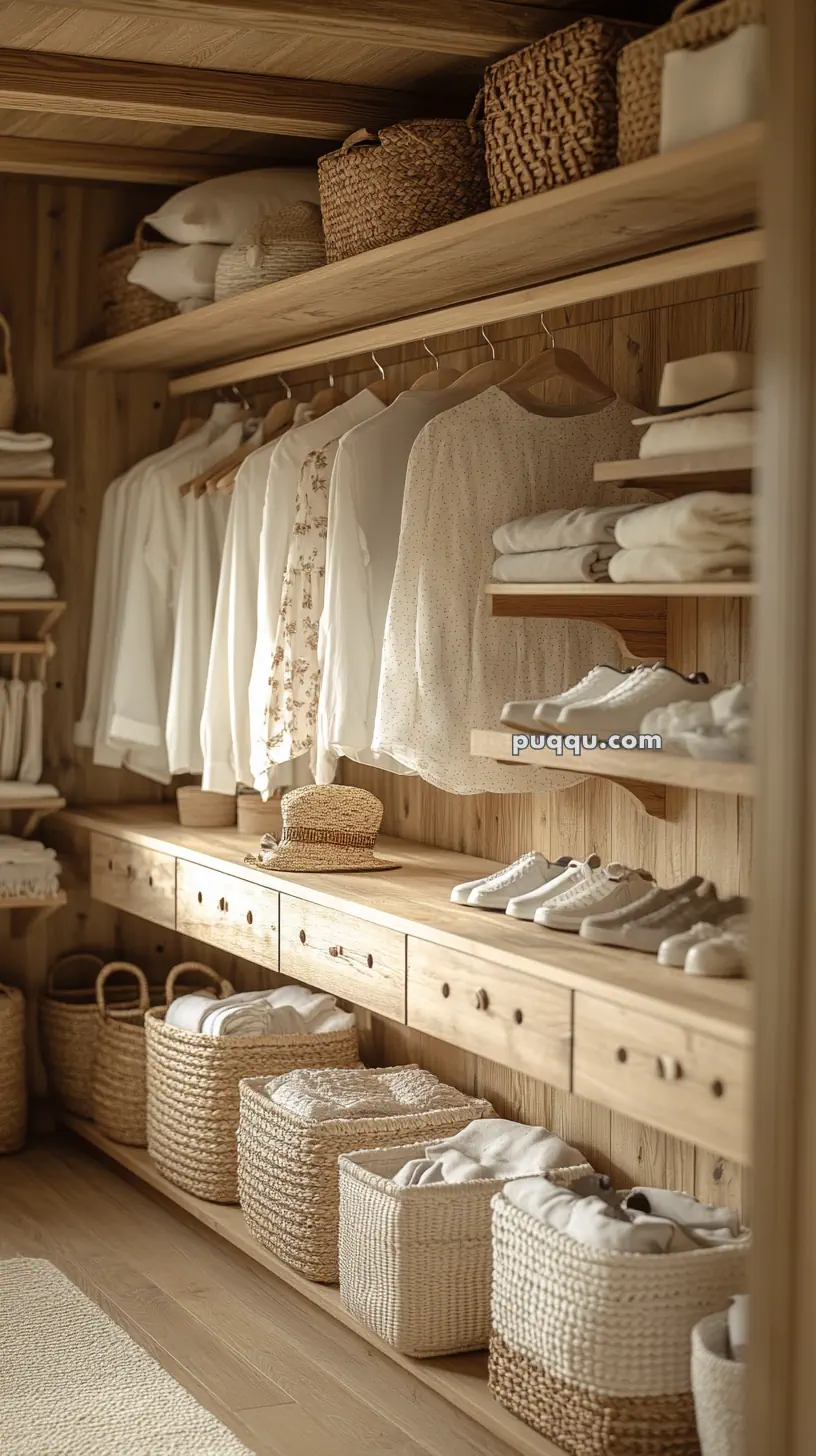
608, 929
682, 911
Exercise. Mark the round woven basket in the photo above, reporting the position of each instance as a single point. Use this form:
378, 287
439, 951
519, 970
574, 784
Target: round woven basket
13, 1094
199, 809
118, 1095
405, 180
192, 1094
69, 1024
276, 247
719, 1389
258, 817
126, 306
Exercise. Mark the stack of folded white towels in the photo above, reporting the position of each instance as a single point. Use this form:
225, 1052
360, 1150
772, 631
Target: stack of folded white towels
559, 546
706, 536
25, 456
22, 577
288, 1011
27, 869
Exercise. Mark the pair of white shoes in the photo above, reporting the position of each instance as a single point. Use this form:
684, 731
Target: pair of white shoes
526, 876
560, 895
660, 915
609, 701
717, 950
719, 728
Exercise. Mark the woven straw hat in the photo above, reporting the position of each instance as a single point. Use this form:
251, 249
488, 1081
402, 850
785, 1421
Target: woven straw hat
325, 829
291, 241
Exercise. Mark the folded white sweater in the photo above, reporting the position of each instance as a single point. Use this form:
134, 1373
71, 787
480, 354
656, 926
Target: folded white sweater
645, 1221
570, 563
326, 1094
706, 520
491, 1148
672, 563
555, 530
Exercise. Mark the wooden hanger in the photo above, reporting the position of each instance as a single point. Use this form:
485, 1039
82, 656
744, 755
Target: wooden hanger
280, 415
437, 378
327, 399
492, 371
557, 363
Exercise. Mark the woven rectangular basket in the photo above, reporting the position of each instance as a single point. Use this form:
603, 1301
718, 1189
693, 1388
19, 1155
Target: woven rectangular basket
551, 110
719, 1386
640, 66
416, 1263
288, 1175
593, 1349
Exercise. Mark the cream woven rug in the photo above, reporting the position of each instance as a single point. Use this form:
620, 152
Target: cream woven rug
72, 1383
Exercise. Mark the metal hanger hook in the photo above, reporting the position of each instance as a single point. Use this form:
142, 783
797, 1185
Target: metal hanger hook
284, 385
491, 346
428, 350
331, 377
548, 332
240, 396
377, 364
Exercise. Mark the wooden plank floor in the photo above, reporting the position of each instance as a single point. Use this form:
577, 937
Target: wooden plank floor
279, 1372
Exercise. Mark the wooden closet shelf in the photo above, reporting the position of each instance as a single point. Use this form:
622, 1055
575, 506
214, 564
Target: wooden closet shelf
42, 614
730, 470
36, 494
625, 216
37, 809
27, 912
608, 591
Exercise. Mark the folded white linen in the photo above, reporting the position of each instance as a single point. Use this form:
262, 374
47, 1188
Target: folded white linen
18, 584
490, 1148
569, 563
22, 557
288, 1011
704, 520
30, 768
615, 1227
326, 1094
555, 530
28, 886
15, 851
26, 467
701, 432
25, 536
22, 790
670, 563
12, 739
186, 1013
32, 443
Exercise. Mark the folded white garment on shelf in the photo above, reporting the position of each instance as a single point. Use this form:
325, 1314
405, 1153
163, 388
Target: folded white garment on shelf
21, 789
555, 530
700, 432
631, 1226
13, 694
26, 466
18, 584
570, 563
16, 851
33, 443
703, 521
671, 563
25, 536
19, 883
22, 556
326, 1093
30, 767
491, 1148
286, 1011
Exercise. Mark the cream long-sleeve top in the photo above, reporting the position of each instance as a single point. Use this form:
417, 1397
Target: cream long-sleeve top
205, 525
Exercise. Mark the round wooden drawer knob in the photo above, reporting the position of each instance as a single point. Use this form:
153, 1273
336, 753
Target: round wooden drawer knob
622, 1054
669, 1069
481, 1000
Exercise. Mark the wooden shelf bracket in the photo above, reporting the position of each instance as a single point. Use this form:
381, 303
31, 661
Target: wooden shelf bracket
639, 623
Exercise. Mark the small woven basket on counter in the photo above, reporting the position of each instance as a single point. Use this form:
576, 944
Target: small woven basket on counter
404, 180
201, 809
13, 1091
118, 1090
127, 306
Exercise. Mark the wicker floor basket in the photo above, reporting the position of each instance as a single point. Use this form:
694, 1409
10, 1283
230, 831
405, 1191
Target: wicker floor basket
118, 1087
126, 306
288, 1175
640, 66
405, 180
192, 1095
551, 110
593, 1349
13, 1091
416, 1263
200, 809
69, 1026
719, 1389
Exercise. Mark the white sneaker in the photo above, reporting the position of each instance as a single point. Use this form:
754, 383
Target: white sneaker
608, 929
524, 907
623, 710
612, 888
673, 950
521, 716
494, 892
648, 933
595, 684
725, 956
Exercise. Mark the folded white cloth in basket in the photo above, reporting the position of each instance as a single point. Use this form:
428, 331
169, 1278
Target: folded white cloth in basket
672, 563
490, 1148
186, 1013
325, 1094
643, 1221
571, 563
705, 520
555, 530
287, 1011
700, 432
17, 582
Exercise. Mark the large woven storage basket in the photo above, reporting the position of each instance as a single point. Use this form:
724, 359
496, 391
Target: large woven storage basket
69, 1027
593, 1349
127, 306
13, 1093
192, 1095
640, 66
275, 248
719, 1389
551, 110
288, 1175
405, 180
416, 1263
118, 1087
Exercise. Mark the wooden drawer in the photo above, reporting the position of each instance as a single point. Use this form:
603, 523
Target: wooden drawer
141, 881
233, 914
674, 1078
514, 1019
352, 958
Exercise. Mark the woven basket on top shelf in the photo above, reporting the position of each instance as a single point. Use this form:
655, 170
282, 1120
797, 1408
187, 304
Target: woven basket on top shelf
402, 181
127, 306
118, 1089
13, 1092
275, 248
69, 1026
201, 809
640, 66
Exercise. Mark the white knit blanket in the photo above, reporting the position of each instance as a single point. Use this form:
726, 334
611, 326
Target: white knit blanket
492, 1148
644, 1221
706, 520
556, 530
326, 1094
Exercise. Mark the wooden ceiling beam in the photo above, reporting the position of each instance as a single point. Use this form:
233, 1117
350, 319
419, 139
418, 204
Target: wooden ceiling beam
181, 96
100, 162
481, 28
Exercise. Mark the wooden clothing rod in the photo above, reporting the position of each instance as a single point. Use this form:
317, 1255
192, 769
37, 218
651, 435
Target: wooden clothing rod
733, 251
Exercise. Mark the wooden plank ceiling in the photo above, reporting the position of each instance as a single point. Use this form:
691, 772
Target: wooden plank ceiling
112, 88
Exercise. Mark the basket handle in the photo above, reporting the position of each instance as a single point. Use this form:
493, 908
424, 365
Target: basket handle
685, 6
360, 138
224, 987
109, 970
475, 121
66, 961
5, 328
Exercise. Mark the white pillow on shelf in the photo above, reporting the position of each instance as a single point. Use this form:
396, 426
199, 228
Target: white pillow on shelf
219, 210
177, 273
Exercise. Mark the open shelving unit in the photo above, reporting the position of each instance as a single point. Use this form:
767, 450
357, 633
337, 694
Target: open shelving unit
34, 494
